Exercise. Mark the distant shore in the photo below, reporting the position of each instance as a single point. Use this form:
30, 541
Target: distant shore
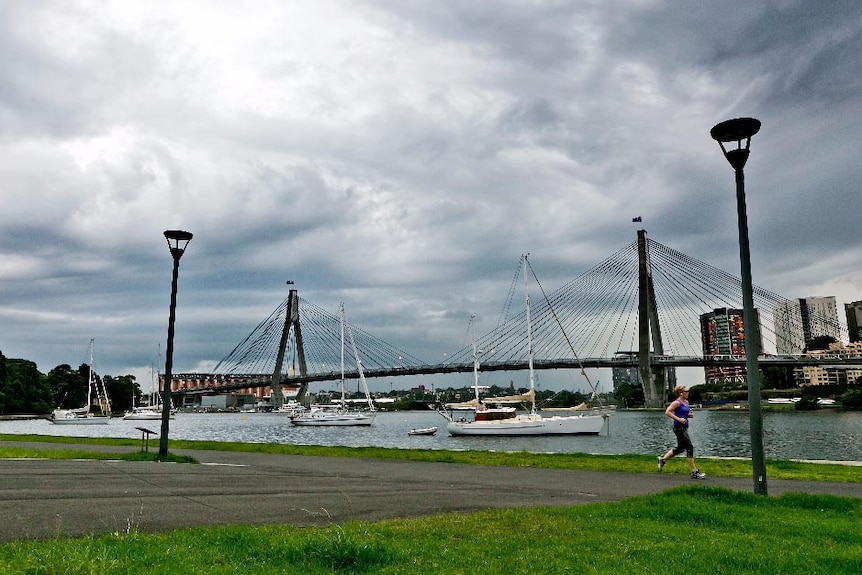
20, 416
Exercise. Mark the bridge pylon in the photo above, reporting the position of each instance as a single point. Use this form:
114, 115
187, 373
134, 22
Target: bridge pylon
291, 319
654, 378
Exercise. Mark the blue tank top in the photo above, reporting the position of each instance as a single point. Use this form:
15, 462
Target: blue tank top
682, 411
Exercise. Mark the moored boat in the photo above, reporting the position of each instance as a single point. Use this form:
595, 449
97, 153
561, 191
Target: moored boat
325, 417
423, 431
497, 422
341, 415
70, 417
144, 414
84, 415
153, 410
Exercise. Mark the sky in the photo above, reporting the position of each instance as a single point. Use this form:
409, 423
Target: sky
399, 156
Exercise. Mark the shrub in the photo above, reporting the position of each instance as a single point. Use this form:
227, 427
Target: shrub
851, 399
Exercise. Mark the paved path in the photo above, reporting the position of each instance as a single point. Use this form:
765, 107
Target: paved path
48, 498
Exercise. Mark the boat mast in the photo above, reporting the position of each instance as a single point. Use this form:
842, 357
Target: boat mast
475, 359
529, 339
342, 355
90, 377
359, 369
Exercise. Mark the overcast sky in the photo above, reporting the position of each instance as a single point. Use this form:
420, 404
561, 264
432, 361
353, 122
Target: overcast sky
399, 156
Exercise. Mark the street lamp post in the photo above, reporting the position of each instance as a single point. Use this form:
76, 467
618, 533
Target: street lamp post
177, 242
737, 130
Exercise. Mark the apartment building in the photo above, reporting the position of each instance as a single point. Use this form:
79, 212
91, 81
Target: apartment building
798, 321
831, 375
853, 313
722, 332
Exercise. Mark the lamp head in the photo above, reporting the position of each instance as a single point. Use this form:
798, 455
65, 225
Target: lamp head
177, 241
735, 130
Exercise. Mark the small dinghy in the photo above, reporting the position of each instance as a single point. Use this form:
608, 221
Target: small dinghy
423, 431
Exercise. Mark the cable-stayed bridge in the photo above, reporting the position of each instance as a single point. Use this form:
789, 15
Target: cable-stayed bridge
640, 307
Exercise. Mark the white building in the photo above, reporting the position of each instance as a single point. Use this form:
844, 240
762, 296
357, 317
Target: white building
834, 374
853, 312
798, 321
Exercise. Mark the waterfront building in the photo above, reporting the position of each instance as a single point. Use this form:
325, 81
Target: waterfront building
853, 313
193, 386
722, 333
798, 321
626, 373
630, 374
831, 374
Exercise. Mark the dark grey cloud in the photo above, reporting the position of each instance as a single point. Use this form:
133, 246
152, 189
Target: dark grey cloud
399, 157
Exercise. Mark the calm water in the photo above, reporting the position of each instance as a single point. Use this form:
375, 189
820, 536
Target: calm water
824, 434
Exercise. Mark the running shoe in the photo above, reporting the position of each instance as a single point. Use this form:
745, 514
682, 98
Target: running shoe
661, 463
696, 474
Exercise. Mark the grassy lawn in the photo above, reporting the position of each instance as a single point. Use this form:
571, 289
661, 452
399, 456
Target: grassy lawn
776, 468
692, 529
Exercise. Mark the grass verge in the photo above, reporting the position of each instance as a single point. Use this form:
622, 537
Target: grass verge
776, 468
692, 529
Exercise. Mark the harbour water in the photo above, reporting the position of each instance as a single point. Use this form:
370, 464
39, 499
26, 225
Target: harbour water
823, 435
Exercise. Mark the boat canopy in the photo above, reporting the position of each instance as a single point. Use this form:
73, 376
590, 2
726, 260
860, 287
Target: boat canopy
506, 399
529, 397
472, 404
580, 407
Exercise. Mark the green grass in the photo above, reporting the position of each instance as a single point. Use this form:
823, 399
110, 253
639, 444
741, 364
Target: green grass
33, 453
8, 452
693, 529
775, 468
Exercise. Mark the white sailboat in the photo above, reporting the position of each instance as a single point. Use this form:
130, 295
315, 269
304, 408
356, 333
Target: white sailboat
342, 415
531, 423
83, 415
153, 410
481, 412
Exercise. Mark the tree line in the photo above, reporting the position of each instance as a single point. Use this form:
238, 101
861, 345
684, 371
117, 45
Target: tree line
25, 390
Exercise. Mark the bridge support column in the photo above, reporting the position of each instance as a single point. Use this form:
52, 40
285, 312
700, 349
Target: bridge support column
649, 330
291, 318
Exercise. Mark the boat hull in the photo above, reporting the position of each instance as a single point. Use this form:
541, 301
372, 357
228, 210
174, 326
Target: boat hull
344, 419
424, 431
144, 416
587, 424
92, 420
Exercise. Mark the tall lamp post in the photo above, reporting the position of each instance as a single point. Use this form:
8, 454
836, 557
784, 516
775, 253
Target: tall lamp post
739, 130
177, 242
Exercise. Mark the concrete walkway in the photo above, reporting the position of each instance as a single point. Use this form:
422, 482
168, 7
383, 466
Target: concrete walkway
49, 498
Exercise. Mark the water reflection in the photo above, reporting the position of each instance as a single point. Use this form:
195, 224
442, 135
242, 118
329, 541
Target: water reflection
825, 434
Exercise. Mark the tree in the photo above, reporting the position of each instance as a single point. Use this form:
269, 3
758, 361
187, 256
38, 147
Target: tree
68, 387
23, 389
819, 342
2, 382
628, 395
807, 403
123, 391
851, 399
778, 377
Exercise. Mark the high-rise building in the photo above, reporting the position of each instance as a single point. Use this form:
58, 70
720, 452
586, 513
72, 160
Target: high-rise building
788, 328
631, 375
798, 321
626, 374
722, 333
853, 311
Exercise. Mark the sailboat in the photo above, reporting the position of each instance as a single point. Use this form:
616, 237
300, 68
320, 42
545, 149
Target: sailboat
482, 411
153, 410
83, 415
531, 423
319, 416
